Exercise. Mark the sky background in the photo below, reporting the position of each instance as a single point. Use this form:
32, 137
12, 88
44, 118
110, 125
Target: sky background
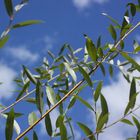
65, 21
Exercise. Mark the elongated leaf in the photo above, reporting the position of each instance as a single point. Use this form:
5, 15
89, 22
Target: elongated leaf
9, 7
51, 95
132, 61
32, 118
70, 71
112, 32
31, 100
63, 132
91, 49
98, 91
132, 92
39, 97
29, 75
26, 23
35, 137
87, 131
24, 89
111, 70
3, 41
101, 121
139, 2
126, 121
9, 125
85, 75
48, 125
132, 8
136, 122
26, 138
104, 105
84, 102
112, 19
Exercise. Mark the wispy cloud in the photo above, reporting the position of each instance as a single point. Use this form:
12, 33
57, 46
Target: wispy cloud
49, 42
23, 54
83, 4
7, 75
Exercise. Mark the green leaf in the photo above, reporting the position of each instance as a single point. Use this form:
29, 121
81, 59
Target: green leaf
136, 122
35, 137
112, 19
85, 75
87, 131
98, 91
29, 75
39, 97
70, 71
91, 49
132, 8
101, 121
3, 41
26, 23
51, 95
31, 100
132, 92
9, 7
132, 61
24, 89
63, 132
102, 69
9, 125
104, 105
59, 120
112, 32
48, 125
26, 138
84, 102
139, 2
111, 70
32, 118
126, 121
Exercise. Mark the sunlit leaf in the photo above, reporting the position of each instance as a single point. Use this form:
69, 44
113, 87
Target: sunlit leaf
51, 95
48, 125
9, 125
29, 75
70, 71
91, 49
32, 118
3, 41
87, 131
104, 105
9, 7
26, 23
85, 75
136, 122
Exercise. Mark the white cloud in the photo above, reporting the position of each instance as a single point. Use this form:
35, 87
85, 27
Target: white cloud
7, 75
117, 96
22, 53
82, 4
49, 42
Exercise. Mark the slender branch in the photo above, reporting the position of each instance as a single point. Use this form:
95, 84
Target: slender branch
78, 84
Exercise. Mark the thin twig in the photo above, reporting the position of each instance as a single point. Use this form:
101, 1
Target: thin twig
78, 84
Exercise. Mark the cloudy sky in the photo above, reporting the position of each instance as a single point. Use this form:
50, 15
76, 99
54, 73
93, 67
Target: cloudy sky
64, 22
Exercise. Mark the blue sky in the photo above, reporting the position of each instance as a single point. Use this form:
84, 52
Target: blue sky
64, 22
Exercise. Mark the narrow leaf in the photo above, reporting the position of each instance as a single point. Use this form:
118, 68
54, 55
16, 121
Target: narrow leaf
104, 105
3, 41
9, 7
136, 122
112, 32
9, 125
48, 125
87, 131
126, 121
70, 71
85, 75
51, 95
35, 137
26, 23
132, 61
98, 91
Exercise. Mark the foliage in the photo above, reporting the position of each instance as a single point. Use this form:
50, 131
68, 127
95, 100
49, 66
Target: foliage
56, 80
